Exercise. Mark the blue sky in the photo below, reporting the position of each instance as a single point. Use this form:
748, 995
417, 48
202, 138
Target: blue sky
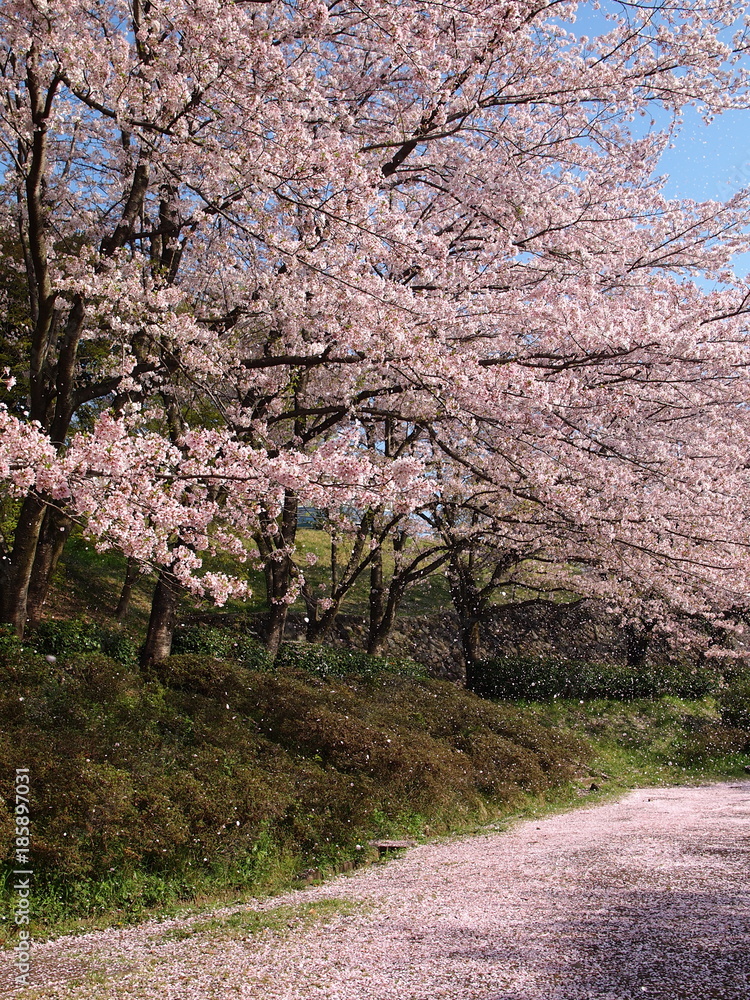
710, 162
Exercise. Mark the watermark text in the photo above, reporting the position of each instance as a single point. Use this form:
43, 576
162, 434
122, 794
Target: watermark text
22, 875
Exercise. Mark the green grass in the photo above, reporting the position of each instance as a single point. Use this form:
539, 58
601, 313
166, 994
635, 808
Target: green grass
429, 595
87, 584
664, 741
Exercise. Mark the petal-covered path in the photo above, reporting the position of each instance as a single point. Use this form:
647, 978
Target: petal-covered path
647, 897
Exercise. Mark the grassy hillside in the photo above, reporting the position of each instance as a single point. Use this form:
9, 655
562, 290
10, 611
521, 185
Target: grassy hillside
207, 780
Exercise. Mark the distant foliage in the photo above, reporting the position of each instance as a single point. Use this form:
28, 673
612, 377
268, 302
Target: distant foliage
541, 679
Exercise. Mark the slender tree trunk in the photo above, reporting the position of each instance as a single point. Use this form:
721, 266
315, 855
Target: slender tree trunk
377, 603
467, 600
376, 638
383, 612
380, 627
320, 623
318, 631
132, 572
319, 626
636, 644
378, 632
16, 574
470, 639
384, 601
161, 624
52, 538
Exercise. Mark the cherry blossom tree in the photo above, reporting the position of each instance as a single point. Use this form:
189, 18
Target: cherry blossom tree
250, 229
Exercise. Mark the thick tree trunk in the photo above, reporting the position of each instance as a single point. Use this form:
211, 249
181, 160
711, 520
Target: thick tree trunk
132, 572
161, 624
52, 538
273, 629
16, 574
278, 580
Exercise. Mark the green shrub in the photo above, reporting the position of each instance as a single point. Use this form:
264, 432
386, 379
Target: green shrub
734, 703
23, 667
179, 779
204, 640
224, 644
101, 673
77, 636
9, 641
118, 645
544, 679
64, 638
330, 661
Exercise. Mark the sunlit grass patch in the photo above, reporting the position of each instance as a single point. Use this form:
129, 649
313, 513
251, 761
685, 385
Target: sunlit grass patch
277, 920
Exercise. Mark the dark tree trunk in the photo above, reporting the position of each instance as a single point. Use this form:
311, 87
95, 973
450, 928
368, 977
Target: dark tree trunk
377, 603
376, 637
277, 570
469, 604
380, 627
16, 573
278, 574
637, 641
319, 628
52, 538
132, 572
320, 623
273, 628
385, 601
161, 624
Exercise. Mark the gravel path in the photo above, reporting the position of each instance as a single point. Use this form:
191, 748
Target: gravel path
647, 897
